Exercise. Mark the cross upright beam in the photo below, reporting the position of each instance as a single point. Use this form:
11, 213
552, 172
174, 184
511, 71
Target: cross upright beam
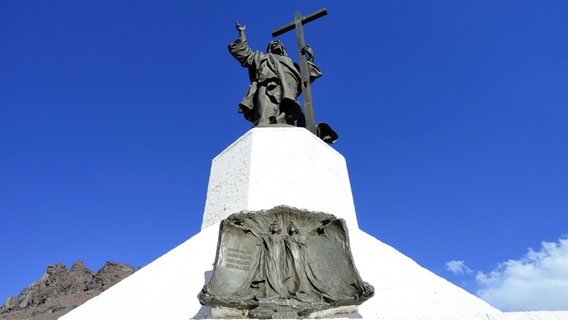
297, 24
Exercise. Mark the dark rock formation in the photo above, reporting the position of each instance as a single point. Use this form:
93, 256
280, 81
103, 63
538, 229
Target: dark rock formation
110, 274
60, 290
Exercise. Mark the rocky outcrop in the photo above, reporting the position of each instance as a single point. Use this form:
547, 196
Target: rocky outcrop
110, 274
60, 290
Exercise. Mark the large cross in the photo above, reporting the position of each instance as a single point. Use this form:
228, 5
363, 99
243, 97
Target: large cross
297, 24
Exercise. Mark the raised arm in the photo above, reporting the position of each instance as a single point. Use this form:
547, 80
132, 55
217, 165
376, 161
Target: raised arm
240, 29
240, 49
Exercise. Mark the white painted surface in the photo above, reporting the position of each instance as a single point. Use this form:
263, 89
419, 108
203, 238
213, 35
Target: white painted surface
167, 288
268, 167
295, 168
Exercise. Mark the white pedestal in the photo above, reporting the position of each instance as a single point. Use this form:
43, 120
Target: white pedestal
268, 167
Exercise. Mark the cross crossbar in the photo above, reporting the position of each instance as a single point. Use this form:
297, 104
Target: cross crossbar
310, 17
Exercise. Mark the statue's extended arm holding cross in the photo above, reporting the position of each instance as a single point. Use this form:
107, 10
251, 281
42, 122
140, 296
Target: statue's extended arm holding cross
276, 82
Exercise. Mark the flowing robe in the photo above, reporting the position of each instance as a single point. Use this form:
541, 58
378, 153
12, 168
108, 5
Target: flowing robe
275, 84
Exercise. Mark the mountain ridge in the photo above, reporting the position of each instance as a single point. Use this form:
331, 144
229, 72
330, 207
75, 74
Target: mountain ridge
60, 290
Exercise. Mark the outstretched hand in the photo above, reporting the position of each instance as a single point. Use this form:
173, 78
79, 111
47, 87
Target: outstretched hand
309, 52
239, 27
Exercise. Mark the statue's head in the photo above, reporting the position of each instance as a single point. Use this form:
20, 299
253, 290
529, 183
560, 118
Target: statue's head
276, 47
274, 228
292, 229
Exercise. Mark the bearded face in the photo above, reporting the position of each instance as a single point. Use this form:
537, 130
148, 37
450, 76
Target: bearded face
276, 47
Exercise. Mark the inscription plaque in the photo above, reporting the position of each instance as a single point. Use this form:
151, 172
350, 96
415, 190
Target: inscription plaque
284, 263
238, 259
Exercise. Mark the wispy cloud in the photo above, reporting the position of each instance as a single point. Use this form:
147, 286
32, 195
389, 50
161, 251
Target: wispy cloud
537, 281
458, 267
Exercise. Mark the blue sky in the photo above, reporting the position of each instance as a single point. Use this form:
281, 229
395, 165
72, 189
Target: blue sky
451, 114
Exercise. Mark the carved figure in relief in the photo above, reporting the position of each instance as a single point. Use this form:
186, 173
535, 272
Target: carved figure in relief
297, 260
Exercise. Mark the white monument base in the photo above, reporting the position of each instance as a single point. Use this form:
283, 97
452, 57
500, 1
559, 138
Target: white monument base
269, 167
167, 288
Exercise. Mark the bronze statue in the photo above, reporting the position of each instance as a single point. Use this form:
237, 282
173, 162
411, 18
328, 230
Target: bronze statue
275, 82
284, 263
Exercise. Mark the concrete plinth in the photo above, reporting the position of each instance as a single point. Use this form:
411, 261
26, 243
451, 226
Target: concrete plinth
268, 167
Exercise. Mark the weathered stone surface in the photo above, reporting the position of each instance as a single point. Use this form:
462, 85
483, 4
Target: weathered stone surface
284, 263
60, 290
110, 274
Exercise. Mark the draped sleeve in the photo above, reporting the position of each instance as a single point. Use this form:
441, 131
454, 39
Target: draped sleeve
242, 52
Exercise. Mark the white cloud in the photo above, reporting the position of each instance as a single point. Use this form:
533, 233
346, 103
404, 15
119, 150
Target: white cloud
537, 281
458, 267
